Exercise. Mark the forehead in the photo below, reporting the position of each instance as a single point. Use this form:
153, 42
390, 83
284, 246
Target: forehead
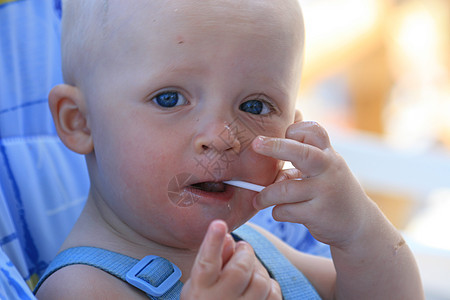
281, 15
140, 31
129, 24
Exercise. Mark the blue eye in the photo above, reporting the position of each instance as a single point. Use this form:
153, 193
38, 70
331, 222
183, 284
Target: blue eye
256, 107
169, 99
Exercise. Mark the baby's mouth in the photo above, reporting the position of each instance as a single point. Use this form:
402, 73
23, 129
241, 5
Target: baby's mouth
185, 190
212, 190
210, 186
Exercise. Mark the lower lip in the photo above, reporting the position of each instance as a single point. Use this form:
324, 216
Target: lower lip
208, 196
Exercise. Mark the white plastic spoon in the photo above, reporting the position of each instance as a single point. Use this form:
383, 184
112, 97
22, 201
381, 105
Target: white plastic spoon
248, 185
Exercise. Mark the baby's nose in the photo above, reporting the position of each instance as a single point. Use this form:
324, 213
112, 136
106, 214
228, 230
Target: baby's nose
218, 137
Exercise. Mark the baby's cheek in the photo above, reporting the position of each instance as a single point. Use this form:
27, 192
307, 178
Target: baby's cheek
262, 169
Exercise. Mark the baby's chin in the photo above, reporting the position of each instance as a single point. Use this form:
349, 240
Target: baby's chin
195, 232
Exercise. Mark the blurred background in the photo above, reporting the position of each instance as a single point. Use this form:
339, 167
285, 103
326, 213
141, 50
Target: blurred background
377, 76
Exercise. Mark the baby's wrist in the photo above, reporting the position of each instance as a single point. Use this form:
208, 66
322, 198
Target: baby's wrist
373, 234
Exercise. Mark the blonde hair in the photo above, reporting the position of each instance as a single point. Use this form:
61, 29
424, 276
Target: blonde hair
86, 30
83, 24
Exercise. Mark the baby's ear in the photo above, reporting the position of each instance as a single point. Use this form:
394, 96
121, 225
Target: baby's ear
68, 108
298, 116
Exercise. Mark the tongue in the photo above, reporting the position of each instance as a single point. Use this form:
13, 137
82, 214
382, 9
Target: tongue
215, 187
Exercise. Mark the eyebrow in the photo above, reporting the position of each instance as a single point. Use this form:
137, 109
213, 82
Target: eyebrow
178, 66
277, 87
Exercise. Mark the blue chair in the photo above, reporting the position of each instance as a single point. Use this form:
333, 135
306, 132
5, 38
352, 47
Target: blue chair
12, 285
43, 185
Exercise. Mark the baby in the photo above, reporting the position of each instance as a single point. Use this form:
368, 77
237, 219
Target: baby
169, 99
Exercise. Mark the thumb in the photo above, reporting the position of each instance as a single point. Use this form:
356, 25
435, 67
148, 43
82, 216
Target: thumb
288, 174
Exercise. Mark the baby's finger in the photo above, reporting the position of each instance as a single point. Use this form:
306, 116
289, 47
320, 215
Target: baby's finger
228, 249
288, 174
310, 133
260, 285
208, 263
309, 159
236, 275
275, 291
285, 192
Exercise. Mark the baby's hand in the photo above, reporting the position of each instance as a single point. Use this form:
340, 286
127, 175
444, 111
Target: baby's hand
228, 270
328, 200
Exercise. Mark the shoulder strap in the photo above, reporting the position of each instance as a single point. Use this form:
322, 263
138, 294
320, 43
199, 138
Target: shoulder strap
155, 272
154, 275
294, 285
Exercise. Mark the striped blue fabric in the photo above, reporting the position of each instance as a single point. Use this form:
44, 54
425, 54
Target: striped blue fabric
43, 185
12, 285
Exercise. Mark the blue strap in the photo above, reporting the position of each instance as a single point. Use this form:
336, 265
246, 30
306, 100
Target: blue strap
116, 264
294, 285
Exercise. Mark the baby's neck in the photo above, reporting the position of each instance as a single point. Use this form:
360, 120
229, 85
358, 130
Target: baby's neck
97, 228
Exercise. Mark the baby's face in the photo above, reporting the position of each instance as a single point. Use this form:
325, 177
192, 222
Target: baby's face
177, 98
